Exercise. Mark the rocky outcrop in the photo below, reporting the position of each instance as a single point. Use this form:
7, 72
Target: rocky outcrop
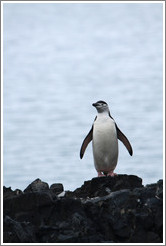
103, 210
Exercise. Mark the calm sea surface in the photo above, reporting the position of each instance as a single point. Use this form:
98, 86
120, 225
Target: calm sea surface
58, 60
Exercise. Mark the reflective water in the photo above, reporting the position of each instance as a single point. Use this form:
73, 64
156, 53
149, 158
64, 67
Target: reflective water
58, 60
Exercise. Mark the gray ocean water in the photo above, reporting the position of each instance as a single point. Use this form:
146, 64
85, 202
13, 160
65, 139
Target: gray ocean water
58, 60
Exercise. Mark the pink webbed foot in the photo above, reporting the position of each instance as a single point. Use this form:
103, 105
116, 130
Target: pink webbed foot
100, 174
112, 174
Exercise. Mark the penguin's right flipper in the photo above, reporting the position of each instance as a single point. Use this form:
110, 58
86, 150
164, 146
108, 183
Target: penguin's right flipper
124, 140
86, 142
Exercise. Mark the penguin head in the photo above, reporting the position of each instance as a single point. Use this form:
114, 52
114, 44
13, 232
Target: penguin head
101, 106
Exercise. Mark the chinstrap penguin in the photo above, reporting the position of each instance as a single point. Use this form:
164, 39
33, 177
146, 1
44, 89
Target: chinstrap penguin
104, 135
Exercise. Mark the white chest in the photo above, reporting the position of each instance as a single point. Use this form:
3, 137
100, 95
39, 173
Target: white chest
104, 128
105, 143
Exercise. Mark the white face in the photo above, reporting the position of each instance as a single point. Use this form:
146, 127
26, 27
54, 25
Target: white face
101, 106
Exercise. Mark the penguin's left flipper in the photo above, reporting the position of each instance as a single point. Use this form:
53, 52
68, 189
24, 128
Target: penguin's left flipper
86, 142
124, 140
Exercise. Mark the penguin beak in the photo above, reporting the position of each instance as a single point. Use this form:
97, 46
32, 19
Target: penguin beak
94, 104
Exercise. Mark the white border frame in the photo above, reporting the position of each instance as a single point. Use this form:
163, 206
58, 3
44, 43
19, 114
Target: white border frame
75, 2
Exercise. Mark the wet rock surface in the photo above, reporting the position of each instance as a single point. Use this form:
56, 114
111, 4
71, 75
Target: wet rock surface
103, 210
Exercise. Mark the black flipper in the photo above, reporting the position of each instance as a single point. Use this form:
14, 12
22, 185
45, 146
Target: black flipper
124, 140
86, 141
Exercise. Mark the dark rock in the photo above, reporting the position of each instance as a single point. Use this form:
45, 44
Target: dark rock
26, 202
8, 192
17, 232
37, 186
104, 185
56, 188
102, 210
159, 189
